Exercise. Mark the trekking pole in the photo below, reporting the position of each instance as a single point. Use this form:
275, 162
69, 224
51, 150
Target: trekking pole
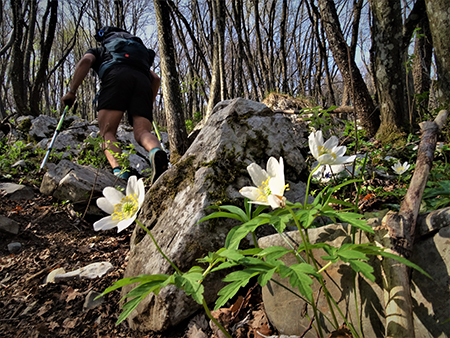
159, 138
54, 138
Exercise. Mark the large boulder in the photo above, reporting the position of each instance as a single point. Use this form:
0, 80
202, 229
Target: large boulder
431, 297
81, 185
211, 172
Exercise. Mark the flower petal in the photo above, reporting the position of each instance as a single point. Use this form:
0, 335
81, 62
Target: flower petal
141, 191
313, 145
332, 142
272, 167
276, 201
131, 185
276, 186
344, 159
326, 159
251, 193
105, 223
125, 223
105, 205
113, 195
257, 174
340, 151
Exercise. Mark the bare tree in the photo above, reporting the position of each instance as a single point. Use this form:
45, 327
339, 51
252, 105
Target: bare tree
46, 45
171, 87
350, 73
440, 31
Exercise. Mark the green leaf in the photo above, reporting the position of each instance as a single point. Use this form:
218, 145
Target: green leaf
347, 255
144, 288
192, 285
239, 279
237, 211
225, 265
299, 278
274, 252
258, 210
355, 220
231, 254
265, 277
236, 234
279, 222
220, 214
364, 268
251, 252
128, 308
131, 280
371, 249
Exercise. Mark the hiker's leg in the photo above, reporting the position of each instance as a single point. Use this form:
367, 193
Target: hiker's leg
142, 133
108, 122
157, 157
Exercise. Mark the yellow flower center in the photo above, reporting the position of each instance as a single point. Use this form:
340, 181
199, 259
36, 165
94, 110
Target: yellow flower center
323, 151
400, 169
264, 190
127, 207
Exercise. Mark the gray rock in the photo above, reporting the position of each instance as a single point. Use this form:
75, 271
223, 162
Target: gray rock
139, 164
9, 225
90, 302
14, 247
20, 163
50, 278
431, 297
91, 271
212, 171
42, 126
17, 192
73, 182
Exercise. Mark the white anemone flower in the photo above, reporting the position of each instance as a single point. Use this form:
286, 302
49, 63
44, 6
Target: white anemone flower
270, 185
328, 152
440, 146
122, 208
399, 168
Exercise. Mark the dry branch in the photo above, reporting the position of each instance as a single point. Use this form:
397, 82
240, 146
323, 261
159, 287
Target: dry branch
402, 228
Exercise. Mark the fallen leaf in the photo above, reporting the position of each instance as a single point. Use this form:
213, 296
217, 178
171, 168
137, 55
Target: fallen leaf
73, 295
53, 325
70, 323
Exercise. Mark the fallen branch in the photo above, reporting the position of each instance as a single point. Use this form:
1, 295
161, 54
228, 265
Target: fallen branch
402, 229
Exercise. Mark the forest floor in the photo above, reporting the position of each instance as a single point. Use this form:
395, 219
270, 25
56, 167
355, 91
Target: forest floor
52, 238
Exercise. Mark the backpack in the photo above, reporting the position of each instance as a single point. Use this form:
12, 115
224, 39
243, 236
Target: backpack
124, 48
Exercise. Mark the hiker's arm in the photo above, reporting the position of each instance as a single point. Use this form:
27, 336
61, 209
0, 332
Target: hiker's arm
156, 82
81, 70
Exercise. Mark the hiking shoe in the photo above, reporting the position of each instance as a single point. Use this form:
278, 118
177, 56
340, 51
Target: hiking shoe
121, 173
158, 163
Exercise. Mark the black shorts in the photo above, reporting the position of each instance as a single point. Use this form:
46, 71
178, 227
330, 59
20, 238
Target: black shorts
127, 89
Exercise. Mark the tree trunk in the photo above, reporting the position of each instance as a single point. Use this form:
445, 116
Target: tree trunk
423, 50
401, 228
262, 64
41, 78
29, 49
389, 70
220, 27
214, 89
176, 126
351, 75
17, 57
437, 11
284, 78
119, 15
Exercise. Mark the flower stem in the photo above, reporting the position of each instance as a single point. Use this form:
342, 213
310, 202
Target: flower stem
307, 186
325, 267
159, 249
210, 316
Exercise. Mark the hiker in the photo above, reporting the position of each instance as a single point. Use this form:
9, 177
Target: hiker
127, 84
